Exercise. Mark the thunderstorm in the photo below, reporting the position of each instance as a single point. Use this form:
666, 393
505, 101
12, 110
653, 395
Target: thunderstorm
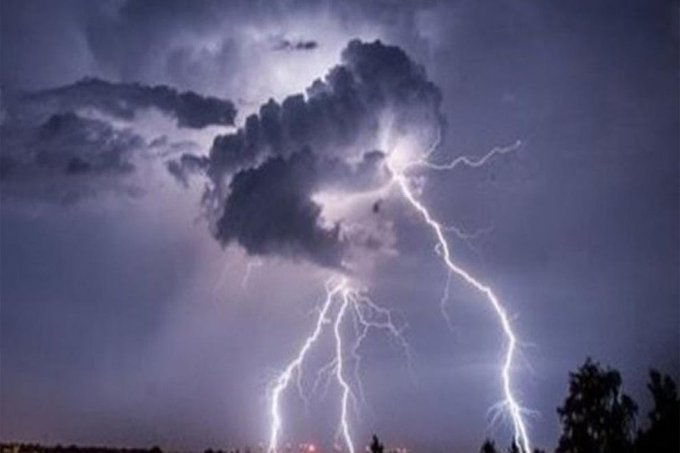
339, 226
341, 292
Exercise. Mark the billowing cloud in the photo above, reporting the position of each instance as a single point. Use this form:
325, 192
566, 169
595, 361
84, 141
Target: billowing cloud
65, 143
270, 209
125, 99
66, 158
229, 48
264, 175
340, 115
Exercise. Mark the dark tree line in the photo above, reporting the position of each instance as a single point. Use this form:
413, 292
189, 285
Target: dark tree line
597, 417
37, 448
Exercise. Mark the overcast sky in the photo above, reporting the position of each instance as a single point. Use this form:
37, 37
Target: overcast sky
161, 256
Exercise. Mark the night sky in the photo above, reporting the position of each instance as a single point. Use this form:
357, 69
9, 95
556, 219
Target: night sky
178, 180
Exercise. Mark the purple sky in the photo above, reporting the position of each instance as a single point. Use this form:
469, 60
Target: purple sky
124, 321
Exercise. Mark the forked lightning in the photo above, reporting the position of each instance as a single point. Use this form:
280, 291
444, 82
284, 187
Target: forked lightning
514, 409
342, 298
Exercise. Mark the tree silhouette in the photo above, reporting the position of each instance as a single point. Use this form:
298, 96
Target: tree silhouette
596, 416
488, 447
376, 446
664, 419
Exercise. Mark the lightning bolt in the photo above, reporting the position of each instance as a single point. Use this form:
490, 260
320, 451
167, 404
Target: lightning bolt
249, 270
346, 390
281, 382
367, 315
514, 409
464, 160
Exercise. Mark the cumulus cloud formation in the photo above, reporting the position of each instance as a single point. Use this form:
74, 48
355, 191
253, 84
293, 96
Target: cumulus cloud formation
264, 175
341, 114
269, 209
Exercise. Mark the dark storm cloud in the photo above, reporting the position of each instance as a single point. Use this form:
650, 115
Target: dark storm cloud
65, 158
186, 165
286, 44
125, 99
56, 148
340, 114
269, 210
339, 119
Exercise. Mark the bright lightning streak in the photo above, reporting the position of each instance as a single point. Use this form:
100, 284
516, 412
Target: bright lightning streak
521, 434
466, 160
367, 315
249, 270
443, 302
346, 390
281, 383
